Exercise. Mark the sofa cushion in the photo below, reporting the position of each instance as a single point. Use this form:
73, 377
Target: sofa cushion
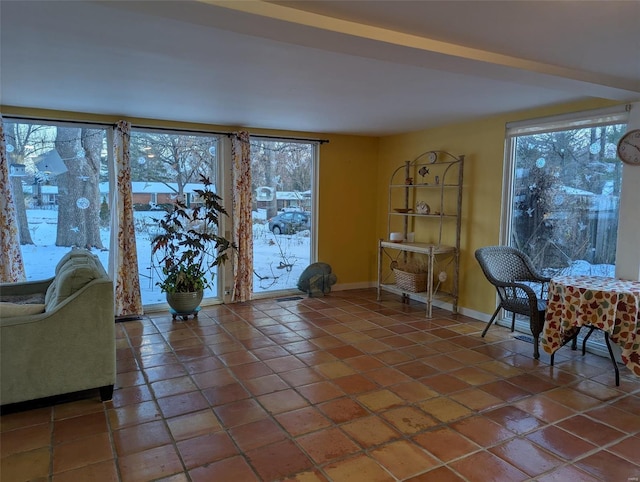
20, 309
72, 276
74, 253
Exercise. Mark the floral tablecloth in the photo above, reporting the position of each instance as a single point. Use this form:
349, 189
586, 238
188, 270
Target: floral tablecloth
609, 304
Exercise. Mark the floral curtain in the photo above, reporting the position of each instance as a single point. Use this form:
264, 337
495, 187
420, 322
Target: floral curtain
242, 222
11, 264
124, 256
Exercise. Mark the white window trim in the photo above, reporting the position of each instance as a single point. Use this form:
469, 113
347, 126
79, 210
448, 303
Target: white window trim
576, 120
610, 115
591, 118
313, 248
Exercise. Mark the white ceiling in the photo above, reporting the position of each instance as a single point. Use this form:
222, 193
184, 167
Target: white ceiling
357, 67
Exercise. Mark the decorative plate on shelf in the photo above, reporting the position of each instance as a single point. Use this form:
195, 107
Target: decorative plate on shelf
402, 210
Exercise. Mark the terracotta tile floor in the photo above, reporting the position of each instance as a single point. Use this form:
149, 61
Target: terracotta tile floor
337, 388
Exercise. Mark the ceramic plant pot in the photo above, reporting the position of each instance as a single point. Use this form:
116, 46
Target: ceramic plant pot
185, 302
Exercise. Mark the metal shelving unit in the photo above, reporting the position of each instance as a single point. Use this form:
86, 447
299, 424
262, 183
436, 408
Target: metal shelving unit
434, 178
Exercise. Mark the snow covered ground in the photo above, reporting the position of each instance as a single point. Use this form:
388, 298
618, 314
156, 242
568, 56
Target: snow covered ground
278, 260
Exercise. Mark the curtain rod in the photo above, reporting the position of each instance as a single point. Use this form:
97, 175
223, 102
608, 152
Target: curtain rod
140, 126
229, 134
179, 129
306, 139
56, 121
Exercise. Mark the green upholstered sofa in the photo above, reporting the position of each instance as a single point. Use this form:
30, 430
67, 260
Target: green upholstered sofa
66, 340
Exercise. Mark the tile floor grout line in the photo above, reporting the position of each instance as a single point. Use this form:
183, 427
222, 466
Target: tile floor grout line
338, 329
337, 426
212, 409
154, 399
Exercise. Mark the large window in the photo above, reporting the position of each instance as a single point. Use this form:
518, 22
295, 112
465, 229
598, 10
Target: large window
166, 166
59, 181
284, 225
564, 193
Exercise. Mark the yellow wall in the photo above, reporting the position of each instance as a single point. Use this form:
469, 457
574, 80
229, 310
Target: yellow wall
348, 206
482, 142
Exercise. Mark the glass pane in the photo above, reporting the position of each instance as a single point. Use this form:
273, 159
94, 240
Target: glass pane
282, 228
166, 167
59, 183
566, 195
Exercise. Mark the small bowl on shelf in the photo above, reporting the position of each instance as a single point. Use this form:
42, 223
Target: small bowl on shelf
396, 237
402, 210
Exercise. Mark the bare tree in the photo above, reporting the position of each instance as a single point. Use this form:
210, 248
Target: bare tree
21, 211
24, 140
78, 187
171, 158
296, 163
264, 173
284, 166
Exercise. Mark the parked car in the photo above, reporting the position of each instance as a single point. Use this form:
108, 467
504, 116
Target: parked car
290, 222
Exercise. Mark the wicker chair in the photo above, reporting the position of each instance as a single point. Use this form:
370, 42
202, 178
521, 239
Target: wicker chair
513, 274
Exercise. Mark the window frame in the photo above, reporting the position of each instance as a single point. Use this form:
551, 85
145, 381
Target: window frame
313, 246
51, 199
224, 221
575, 120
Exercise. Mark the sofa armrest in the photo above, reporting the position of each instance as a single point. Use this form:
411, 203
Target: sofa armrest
69, 349
23, 319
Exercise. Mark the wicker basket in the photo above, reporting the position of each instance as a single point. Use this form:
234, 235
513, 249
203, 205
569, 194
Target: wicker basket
414, 282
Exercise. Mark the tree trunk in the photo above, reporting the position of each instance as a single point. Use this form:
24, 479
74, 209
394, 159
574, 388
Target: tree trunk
272, 209
18, 157
21, 211
78, 188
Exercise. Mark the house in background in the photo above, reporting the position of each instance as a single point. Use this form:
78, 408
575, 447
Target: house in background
272, 200
42, 196
150, 195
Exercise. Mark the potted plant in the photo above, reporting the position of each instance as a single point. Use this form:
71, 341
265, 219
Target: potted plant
189, 248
